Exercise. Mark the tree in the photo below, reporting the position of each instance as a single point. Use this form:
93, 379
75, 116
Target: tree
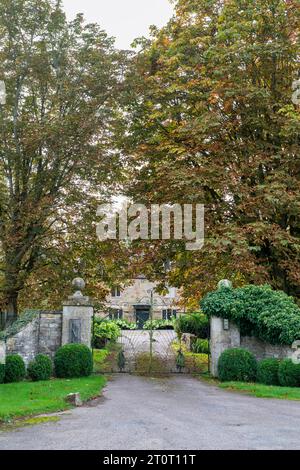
211, 120
61, 80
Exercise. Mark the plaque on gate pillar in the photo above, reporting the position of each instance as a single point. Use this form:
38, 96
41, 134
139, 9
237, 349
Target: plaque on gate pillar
75, 330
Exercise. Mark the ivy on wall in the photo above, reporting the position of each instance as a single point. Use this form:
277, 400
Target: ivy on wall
260, 311
26, 317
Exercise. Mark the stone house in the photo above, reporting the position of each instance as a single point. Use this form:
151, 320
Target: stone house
133, 302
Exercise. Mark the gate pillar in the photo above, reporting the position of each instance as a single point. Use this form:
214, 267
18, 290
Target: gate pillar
77, 317
223, 335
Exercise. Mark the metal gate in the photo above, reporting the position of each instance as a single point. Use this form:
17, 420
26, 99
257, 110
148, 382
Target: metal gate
153, 352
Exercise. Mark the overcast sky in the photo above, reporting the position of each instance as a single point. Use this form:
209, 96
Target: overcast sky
123, 19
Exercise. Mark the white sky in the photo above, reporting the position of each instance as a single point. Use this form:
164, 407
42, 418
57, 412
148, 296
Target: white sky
123, 19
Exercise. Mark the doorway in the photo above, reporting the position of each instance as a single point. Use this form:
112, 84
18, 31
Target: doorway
142, 314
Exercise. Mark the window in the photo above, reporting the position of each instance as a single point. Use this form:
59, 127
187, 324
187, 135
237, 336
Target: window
115, 292
116, 314
168, 314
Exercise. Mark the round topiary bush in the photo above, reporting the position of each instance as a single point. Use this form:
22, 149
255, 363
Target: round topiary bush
15, 369
40, 368
2, 373
289, 374
267, 371
73, 360
237, 364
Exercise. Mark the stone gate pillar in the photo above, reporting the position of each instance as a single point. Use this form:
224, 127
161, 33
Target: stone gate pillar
223, 335
77, 317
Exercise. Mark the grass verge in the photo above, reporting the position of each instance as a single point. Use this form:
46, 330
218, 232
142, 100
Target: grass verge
32, 398
263, 391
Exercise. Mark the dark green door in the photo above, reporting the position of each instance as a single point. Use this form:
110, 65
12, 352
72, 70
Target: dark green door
142, 315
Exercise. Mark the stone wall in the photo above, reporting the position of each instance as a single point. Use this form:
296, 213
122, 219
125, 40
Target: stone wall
25, 342
263, 350
43, 332
50, 333
225, 335
41, 335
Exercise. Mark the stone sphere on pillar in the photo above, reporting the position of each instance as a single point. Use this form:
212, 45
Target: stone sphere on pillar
78, 284
224, 284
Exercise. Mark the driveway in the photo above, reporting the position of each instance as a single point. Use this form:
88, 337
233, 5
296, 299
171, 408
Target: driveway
138, 341
176, 413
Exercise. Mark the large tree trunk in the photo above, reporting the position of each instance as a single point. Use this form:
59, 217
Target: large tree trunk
12, 306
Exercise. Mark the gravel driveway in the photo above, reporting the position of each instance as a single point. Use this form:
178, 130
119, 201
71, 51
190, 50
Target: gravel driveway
176, 413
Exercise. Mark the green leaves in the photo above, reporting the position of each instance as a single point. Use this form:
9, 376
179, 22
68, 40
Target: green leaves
210, 119
271, 316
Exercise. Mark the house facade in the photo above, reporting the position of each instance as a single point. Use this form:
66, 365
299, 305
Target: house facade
133, 303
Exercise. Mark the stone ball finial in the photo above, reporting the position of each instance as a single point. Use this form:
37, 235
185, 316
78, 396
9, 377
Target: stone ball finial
224, 284
78, 284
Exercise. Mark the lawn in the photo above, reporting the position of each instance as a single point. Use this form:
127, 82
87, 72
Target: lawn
263, 391
32, 398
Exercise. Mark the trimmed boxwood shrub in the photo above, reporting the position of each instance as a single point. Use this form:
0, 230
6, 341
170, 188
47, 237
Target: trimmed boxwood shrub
267, 371
73, 360
2, 373
237, 365
15, 369
289, 374
40, 368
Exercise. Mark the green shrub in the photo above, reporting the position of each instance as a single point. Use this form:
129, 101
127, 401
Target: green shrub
289, 374
40, 368
193, 323
267, 371
271, 316
73, 360
105, 331
159, 324
15, 369
200, 346
2, 373
124, 324
237, 365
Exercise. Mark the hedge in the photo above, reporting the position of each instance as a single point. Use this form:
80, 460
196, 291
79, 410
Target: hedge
267, 371
2, 373
260, 311
289, 374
